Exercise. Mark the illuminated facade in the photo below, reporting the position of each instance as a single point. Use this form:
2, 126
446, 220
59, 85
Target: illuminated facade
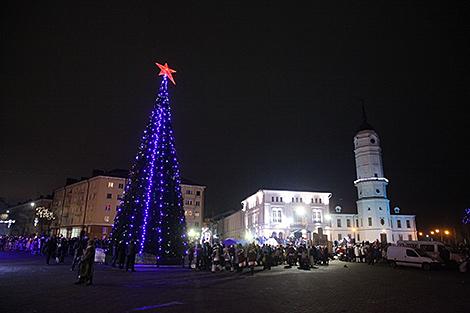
373, 220
279, 213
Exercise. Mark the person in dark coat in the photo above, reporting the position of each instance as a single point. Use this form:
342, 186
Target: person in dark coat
87, 264
50, 248
130, 256
77, 253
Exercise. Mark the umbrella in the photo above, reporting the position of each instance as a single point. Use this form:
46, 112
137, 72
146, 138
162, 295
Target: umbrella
230, 241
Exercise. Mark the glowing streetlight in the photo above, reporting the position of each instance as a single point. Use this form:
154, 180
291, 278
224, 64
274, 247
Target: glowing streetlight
427, 236
437, 231
420, 233
32, 204
432, 233
446, 232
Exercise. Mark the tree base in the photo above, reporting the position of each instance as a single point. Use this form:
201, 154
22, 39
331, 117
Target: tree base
146, 258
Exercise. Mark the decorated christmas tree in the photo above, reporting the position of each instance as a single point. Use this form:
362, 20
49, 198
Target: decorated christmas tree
151, 213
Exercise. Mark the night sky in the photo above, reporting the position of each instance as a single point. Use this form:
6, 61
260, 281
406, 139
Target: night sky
267, 96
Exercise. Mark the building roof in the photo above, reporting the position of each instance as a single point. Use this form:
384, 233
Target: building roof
186, 181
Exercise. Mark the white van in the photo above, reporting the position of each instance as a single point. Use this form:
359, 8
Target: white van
407, 256
435, 249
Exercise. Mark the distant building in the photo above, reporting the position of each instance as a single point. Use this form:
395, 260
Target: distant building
284, 213
29, 218
90, 204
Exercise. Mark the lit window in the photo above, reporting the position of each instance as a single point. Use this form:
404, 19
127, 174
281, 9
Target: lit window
277, 216
316, 216
190, 213
106, 219
110, 184
196, 213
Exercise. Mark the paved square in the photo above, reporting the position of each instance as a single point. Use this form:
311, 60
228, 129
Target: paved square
28, 285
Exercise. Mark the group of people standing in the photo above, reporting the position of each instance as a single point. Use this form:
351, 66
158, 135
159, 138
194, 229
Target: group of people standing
364, 252
236, 257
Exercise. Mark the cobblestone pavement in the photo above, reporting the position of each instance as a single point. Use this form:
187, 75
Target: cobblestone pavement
28, 285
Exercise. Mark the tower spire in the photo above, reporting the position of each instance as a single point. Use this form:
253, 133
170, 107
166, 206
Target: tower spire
365, 125
364, 115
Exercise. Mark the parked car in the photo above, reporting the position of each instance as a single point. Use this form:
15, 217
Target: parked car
408, 256
435, 249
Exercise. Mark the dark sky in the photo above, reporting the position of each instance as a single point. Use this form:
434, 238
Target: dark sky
266, 95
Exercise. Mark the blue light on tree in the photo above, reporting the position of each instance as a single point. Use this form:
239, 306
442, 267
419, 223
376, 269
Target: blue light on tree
466, 216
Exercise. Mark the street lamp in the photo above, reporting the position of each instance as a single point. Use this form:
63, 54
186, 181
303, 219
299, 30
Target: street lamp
432, 233
420, 233
437, 231
447, 232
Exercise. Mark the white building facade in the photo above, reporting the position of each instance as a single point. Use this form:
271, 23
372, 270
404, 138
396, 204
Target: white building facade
373, 220
281, 213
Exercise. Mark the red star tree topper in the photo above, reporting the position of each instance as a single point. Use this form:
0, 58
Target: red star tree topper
166, 71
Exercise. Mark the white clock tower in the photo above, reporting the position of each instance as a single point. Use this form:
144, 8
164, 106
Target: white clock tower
373, 207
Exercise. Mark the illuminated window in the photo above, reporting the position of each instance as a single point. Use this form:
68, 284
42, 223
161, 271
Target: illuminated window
190, 213
110, 184
106, 219
276, 216
196, 213
316, 216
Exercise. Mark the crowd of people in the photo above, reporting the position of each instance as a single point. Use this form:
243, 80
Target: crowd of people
205, 256
237, 257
